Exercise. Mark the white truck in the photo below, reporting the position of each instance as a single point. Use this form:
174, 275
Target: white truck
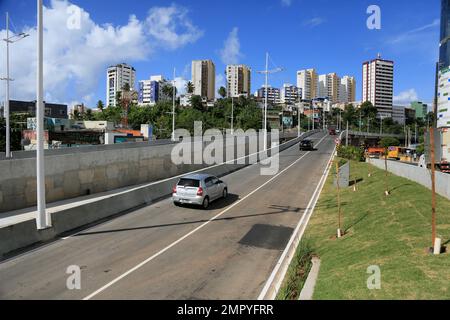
441, 149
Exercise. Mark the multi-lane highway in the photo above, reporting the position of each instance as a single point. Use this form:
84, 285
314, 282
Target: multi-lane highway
167, 252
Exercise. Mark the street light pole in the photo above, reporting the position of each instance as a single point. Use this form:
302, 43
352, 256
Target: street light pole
232, 116
43, 219
265, 101
8, 123
173, 106
9, 40
266, 72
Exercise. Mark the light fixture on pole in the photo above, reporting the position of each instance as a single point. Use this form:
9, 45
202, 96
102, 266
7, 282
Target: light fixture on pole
266, 73
9, 40
43, 218
173, 106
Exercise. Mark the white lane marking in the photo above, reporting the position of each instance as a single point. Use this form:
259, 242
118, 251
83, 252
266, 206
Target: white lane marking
103, 223
109, 284
296, 236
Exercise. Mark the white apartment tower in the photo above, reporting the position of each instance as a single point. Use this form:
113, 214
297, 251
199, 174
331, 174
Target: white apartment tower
290, 94
347, 89
307, 81
238, 80
378, 85
116, 78
204, 79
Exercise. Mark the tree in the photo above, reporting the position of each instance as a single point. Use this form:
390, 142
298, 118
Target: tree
196, 102
350, 115
368, 112
126, 87
222, 92
190, 87
100, 105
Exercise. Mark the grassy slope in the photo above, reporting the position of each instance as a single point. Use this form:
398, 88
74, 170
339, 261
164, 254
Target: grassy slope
392, 232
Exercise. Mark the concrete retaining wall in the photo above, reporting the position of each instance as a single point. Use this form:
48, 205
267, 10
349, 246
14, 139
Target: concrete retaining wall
24, 234
417, 174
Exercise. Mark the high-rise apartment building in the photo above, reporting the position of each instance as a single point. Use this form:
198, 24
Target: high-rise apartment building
307, 81
273, 94
378, 85
347, 89
151, 91
117, 77
290, 94
204, 79
238, 80
328, 87
443, 106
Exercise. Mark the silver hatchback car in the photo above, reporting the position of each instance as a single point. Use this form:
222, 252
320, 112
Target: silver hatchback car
199, 189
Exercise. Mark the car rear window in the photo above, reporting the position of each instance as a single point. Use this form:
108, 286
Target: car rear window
189, 183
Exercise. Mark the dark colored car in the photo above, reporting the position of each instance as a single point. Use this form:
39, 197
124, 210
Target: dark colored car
306, 145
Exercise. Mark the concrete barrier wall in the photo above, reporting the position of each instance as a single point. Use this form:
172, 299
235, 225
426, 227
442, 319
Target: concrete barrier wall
24, 234
87, 171
417, 174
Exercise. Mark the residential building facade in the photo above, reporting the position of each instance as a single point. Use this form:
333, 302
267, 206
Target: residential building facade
347, 89
378, 85
151, 91
307, 81
238, 80
273, 94
328, 87
290, 94
117, 77
204, 79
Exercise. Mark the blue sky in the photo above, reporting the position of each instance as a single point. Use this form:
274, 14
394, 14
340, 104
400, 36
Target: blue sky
328, 35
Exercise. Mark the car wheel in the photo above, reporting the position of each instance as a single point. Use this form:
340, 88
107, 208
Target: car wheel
205, 204
225, 193
177, 204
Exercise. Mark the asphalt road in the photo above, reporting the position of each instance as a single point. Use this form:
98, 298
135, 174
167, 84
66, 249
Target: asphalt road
167, 252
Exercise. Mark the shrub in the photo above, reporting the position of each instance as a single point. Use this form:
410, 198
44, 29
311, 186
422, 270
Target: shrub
351, 153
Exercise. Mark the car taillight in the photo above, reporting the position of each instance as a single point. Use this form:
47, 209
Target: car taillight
200, 191
174, 190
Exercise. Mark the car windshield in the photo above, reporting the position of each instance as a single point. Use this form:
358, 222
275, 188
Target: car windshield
189, 183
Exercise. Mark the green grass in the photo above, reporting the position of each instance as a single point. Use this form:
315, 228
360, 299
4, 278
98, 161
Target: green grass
297, 272
391, 232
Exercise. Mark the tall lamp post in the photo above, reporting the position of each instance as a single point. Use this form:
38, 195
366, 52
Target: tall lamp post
266, 73
9, 40
43, 218
173, 105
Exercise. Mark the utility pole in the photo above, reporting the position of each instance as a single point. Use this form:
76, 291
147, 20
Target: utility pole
346, 136
360, 120
8, 123
266, 73
43, 219
9, 40
173, 105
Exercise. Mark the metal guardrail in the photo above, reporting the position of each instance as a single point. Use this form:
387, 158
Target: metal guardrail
376, 135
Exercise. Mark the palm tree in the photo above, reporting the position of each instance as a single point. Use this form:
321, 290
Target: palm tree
190, 87
100, 105
222, 92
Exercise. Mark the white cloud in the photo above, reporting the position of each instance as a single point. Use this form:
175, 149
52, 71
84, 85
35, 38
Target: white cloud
406, 97
286, 3
75, 60
163, 24
231, 51
180, 84
314, 22
414, 33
